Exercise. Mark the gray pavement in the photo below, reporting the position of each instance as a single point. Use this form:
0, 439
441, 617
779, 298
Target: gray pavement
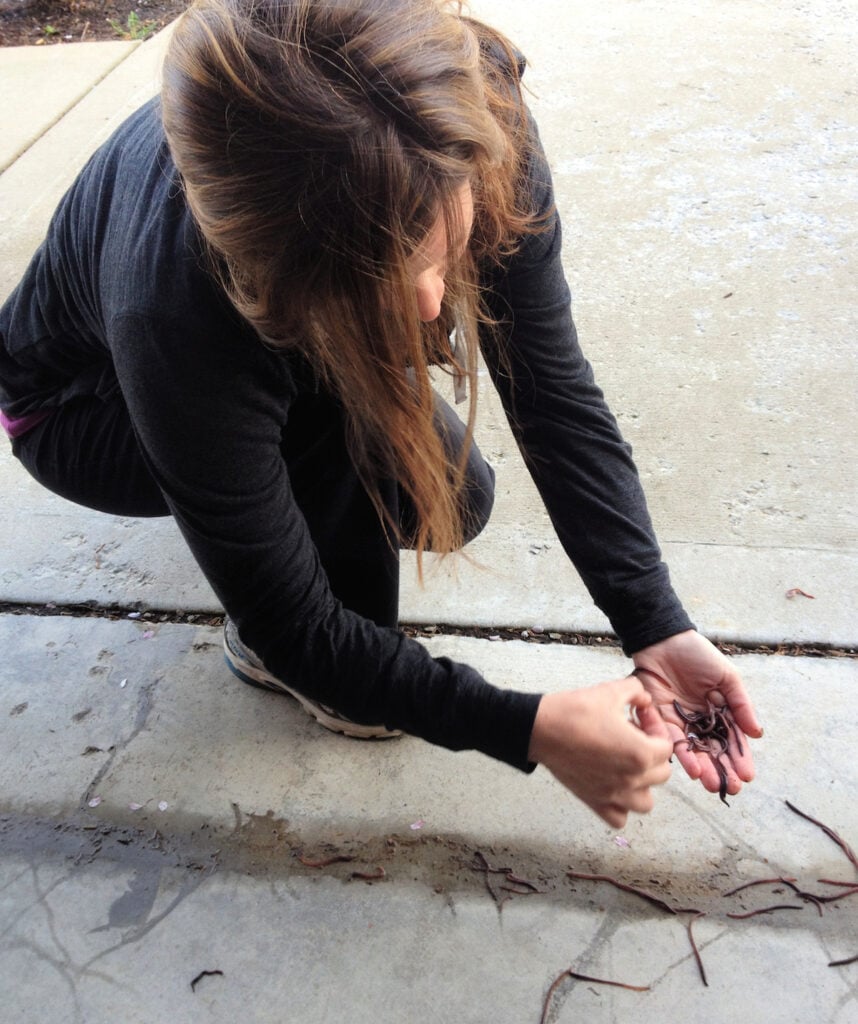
153, 811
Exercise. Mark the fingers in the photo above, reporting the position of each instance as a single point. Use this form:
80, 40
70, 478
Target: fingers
652, 723
731, 691
699, 764
648, 719
615, 816
639, 801
609, 762
635, 794
694, 765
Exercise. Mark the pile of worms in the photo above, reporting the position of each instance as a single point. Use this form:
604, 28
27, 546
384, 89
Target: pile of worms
710, 731
849, 888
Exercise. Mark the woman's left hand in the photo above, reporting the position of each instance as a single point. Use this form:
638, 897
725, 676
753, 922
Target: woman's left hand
688, 669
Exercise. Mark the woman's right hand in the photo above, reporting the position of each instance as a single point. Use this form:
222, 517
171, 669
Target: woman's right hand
587, 741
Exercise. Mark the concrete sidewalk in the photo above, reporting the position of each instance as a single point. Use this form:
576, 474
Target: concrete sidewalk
153, 811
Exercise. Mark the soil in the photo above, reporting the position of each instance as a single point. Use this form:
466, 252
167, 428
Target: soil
65, 22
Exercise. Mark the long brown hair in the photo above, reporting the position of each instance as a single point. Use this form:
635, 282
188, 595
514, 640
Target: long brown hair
319, 141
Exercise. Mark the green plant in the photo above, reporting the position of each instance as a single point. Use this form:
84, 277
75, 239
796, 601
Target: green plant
50, 30
134, 28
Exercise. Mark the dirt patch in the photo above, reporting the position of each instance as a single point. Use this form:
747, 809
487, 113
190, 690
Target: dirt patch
64, 22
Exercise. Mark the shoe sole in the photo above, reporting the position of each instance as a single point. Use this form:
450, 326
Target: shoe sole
262, 680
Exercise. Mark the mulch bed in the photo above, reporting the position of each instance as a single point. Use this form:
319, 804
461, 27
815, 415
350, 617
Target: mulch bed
65, 22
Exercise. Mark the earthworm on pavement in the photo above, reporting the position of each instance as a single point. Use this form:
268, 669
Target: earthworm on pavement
843, 963
524, 892
487, 869
522, 881
370, 876
758, 881
201, 975
832, 899
637, 892
340, 858
569, 973
697, 956
844, 846
764, 910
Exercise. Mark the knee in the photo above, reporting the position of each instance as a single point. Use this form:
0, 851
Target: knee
478, 496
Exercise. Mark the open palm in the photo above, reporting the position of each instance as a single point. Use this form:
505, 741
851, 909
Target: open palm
688, 669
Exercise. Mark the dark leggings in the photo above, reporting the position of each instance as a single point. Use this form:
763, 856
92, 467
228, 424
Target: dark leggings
87, 452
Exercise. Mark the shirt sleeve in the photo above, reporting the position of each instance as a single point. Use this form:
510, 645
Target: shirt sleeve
568, 436
209, 409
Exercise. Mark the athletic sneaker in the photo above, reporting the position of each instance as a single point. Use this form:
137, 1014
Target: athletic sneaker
249, 668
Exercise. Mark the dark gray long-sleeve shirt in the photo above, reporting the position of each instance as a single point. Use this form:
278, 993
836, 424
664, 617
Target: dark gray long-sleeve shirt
118, 297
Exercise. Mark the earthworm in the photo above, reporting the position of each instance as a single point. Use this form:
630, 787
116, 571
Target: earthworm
834, 881
201, 975
370, 876
689, 719
485, 866
722, 777
526, 892
819, 900
758, 881
697, 956
795, 591
842, 963
569, 973
832, 899
764, 910
521, 881
626, 888
339, 858
844, 846
709, 728
738, 735
809, 897
487, 869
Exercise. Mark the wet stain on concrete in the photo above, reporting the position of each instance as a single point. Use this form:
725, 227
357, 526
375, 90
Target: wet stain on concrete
163, 868
19, 709
134, 906
267, 846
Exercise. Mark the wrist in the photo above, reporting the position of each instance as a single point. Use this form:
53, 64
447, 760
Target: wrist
672, 640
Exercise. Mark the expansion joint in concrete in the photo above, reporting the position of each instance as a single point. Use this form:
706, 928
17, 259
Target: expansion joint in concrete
528, 634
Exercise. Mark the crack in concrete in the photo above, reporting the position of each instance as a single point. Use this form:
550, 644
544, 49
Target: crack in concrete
602, 936
805, 648
145, 703
689, 956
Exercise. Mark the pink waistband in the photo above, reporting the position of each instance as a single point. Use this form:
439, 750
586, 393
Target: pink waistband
21, 424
